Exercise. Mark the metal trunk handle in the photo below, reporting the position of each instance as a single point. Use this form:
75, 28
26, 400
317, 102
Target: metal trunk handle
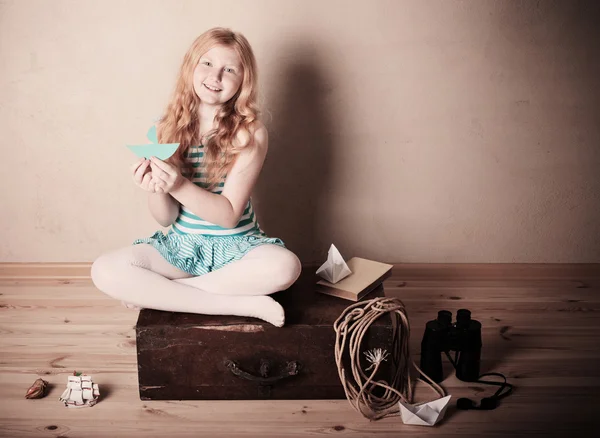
264, 380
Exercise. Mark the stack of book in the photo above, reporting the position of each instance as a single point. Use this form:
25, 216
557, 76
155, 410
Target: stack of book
365, 276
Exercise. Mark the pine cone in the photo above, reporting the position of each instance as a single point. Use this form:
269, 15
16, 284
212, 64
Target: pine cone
38, 389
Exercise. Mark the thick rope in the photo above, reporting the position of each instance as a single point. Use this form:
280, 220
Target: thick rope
350, 328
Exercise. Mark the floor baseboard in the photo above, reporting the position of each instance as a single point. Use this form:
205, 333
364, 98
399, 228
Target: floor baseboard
12, 271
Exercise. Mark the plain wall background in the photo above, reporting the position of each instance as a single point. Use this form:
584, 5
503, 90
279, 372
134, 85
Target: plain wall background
403, 131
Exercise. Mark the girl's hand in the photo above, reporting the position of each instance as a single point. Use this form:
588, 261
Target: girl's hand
142, 176
165, 176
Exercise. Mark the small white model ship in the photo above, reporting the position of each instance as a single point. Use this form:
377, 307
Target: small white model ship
80, 392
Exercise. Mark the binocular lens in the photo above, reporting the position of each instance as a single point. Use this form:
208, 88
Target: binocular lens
444, 317
463, 317
463, 314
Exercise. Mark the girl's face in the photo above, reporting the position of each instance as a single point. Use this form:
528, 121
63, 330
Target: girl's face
218, 75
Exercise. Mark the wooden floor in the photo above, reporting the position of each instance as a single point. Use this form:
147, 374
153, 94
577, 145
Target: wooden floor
541, 327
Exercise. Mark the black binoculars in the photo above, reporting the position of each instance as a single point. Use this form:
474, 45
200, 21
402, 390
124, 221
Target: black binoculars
463, 337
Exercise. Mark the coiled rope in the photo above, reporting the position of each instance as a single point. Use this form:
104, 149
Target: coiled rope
350, 328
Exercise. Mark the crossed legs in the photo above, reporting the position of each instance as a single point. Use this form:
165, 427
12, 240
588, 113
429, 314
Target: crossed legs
140, 276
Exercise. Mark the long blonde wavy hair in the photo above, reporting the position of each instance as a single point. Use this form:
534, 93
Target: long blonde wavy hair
234, 120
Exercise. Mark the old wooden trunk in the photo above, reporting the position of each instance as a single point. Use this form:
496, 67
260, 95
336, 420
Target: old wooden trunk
185, 356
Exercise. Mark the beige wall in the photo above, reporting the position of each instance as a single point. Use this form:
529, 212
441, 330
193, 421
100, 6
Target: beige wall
405, 131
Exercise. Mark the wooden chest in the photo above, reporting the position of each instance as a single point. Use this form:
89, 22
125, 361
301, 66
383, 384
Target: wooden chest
185, 356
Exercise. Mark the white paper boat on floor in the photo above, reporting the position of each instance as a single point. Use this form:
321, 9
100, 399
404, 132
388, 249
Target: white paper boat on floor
425, 414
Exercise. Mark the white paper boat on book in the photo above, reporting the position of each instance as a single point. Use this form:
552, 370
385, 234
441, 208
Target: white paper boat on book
335, 268
80, 392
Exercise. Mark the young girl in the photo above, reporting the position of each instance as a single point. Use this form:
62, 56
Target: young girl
215, 258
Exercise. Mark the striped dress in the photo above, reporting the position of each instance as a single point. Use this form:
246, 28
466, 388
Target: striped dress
197, 246
189, 223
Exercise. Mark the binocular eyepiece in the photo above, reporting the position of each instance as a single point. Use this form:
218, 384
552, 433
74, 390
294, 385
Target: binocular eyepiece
463, 337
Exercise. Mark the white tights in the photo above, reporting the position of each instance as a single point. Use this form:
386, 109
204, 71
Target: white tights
139, 275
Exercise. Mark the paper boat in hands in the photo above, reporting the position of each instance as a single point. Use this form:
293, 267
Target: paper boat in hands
155, 149
426, 414
80, 392
335, 268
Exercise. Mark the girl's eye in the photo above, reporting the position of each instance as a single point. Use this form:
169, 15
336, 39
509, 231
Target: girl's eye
230, 70
206, 63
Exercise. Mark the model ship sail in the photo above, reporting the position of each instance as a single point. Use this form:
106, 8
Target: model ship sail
81, 391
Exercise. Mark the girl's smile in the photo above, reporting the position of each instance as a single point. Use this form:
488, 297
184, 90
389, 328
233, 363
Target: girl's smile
215, 89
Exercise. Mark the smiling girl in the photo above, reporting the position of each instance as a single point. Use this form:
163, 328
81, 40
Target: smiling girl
215, 258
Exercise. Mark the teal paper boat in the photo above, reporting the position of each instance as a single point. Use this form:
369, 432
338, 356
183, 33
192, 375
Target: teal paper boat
155, 149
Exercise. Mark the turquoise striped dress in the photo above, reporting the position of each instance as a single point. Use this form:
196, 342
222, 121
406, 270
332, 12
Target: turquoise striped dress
197, 246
